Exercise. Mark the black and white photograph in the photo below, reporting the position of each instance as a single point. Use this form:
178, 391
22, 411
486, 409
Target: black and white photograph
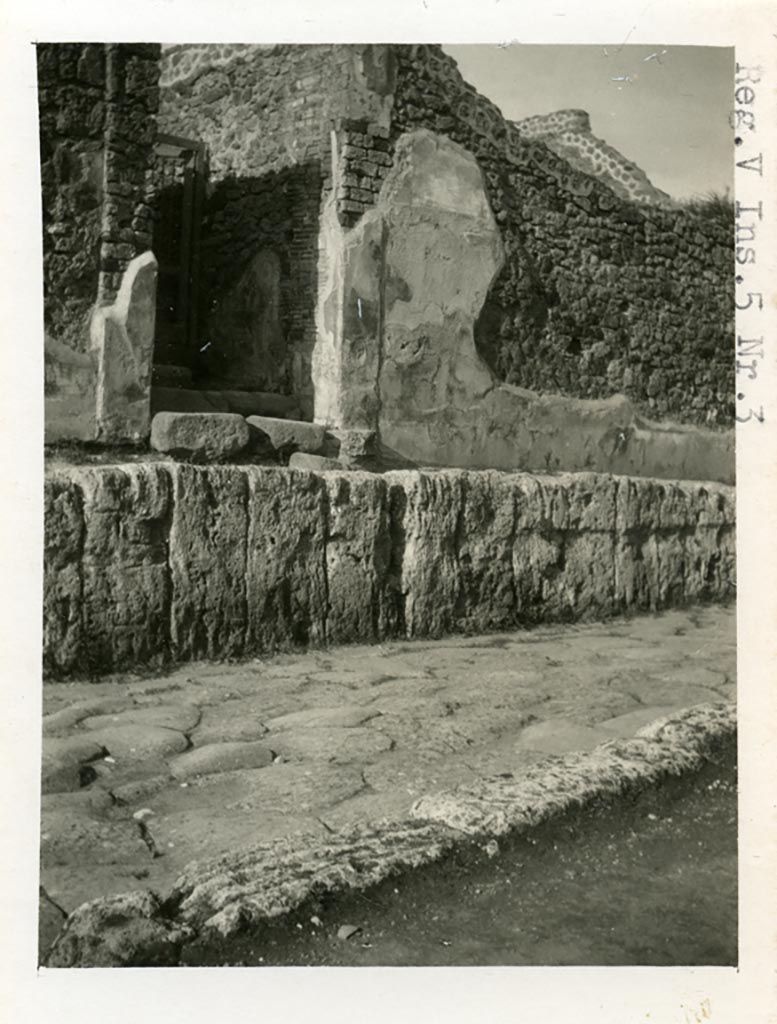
392, 409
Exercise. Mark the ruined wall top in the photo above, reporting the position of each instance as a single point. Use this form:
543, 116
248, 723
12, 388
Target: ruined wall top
567, 133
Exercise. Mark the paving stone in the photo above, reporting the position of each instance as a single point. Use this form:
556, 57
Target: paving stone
92, 801
331, 744
68, 839
181, 717
233, 721
199, 435
64, 759
287, 788
282, 437
221, 757
141, 788
138, 742
66, 718
311, 718
560, 736
671, 687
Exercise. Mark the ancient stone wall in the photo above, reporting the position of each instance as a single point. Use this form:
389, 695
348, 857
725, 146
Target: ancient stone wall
97, 127
267, 114
132, 100
147, 563
567, 133
263, 113
71, 94
597, 296
397, 347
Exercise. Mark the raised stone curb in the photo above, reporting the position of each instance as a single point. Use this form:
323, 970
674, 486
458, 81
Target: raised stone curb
214, 900
314, 463
157, 562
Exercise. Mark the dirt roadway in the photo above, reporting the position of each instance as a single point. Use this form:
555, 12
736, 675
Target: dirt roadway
143, 774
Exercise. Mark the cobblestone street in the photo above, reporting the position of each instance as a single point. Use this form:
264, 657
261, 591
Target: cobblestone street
143, 774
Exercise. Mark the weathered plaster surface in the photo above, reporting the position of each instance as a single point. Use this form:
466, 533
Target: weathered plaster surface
396, 350
70, 386
123, 339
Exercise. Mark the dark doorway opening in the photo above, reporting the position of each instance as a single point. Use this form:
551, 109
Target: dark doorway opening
179, 172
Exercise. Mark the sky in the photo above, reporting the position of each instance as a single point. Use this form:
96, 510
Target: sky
671, 118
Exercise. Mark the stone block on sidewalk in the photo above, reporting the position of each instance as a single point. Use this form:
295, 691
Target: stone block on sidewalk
273, 436
204, 437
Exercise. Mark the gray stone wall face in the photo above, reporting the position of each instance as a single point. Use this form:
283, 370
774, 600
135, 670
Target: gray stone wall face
598, 296
97, 127
149, 563
71, 93
132, 101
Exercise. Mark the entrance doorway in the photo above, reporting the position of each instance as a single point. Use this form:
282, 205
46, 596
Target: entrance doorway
179, 171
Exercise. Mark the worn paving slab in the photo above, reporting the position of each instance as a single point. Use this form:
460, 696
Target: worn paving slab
144, 774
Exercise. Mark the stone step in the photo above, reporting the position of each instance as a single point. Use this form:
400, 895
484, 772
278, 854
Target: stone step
244, 403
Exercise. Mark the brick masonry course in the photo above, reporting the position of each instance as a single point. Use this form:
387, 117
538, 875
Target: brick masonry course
153, 563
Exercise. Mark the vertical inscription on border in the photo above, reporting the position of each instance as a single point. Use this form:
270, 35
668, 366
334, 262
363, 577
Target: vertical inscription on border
749, 217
